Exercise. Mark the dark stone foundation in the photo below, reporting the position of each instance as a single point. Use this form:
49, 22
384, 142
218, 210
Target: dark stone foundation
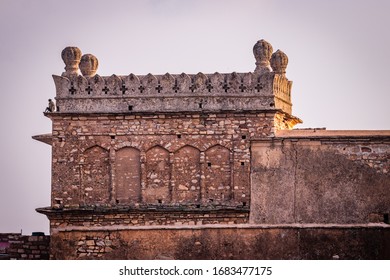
225, 242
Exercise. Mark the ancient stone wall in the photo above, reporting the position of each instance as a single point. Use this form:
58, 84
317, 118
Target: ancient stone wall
154, 159
321, 180
225, 242
22, 247
125, 217
208, 163
173, 93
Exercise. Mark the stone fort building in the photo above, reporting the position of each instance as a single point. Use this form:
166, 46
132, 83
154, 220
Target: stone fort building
207, 166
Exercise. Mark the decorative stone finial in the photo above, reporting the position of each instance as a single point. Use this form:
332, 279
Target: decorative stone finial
88, 65
262, 51
71, 57
279, 61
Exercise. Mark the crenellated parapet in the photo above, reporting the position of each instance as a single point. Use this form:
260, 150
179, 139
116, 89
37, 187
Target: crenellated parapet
263, 89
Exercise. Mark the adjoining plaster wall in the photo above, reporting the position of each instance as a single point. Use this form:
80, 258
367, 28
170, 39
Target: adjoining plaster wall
320, 180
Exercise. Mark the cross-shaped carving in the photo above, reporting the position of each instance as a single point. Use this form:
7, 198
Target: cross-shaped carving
141, 88
106, 89
72, 90
242, 87
209, 86
193, 87
175, 87
159, 88
259, 86
123, 89
89, 89
226, 87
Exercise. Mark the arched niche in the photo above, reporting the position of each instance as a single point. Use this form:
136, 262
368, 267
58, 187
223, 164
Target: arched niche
217, 174
95, 176
186, 175
157, 170
127, 175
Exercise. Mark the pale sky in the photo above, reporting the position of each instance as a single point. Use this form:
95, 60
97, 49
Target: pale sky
337, 49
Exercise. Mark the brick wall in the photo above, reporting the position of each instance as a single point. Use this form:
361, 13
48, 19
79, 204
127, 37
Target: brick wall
22, 247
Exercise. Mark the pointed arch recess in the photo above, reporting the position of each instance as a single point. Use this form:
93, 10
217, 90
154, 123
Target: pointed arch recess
127, 175
157, 170
217, 174
95, 171
186, 175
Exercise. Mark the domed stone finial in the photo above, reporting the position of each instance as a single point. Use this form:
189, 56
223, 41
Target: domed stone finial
279, 61
262, 51
71, 57
89, 65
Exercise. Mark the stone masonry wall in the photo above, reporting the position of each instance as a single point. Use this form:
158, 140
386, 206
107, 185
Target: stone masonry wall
198, 161
22, 247
201, 159
123, 218
321, 180
225, 242
173, 93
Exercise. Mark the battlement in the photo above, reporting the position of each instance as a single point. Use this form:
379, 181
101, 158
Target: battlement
266, 88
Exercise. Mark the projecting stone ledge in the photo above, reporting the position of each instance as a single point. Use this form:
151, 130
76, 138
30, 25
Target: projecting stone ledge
45, 138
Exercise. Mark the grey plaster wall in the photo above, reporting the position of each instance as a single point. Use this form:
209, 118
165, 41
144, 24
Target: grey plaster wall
322, 181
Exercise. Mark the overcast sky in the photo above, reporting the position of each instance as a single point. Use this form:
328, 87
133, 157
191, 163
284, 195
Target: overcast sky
337, 49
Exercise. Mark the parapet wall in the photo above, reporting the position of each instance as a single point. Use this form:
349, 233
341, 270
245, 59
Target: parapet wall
173, 93
267, 88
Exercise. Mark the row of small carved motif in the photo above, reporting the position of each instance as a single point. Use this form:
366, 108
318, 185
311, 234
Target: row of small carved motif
228, 83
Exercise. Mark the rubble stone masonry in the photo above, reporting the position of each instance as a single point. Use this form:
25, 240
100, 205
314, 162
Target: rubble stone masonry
24, 247
158, 159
